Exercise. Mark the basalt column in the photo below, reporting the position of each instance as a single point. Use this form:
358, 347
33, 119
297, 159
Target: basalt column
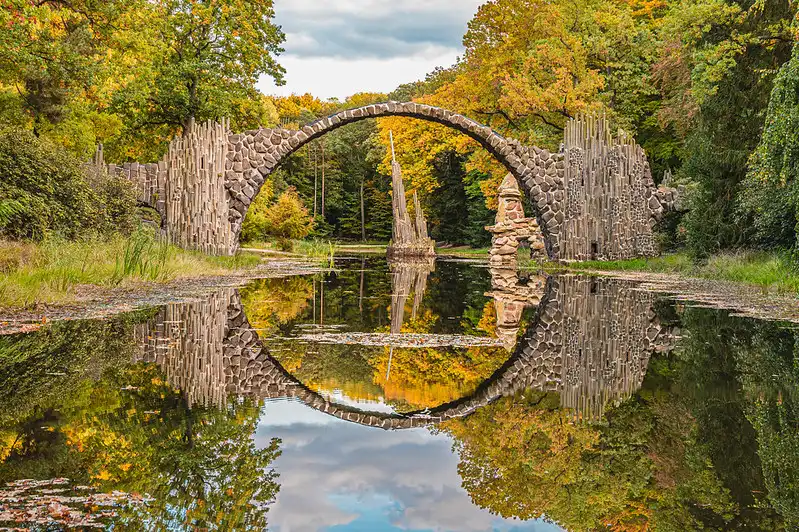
410, 238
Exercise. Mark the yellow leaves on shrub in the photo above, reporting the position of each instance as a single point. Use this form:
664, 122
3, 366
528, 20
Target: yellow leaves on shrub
288, 217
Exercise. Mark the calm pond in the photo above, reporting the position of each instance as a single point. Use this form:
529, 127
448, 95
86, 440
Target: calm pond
416, 397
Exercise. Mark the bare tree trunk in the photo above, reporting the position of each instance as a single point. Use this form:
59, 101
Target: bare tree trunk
316, 166
323, 180
363, 216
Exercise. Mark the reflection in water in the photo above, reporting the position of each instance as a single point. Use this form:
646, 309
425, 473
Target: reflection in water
601, 416
117, 426
407, 276
590, 340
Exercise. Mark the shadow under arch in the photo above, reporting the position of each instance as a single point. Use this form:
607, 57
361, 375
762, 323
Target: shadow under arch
590, 340
253, 155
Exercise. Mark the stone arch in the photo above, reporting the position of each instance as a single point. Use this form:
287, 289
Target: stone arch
252, 156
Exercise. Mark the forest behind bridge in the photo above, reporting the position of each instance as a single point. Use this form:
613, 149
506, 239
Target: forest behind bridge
707, 87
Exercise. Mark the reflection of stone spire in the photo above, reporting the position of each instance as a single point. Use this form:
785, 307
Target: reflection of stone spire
404, 276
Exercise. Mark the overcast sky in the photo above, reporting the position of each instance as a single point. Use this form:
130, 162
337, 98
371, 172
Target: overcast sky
336, 475
335, 48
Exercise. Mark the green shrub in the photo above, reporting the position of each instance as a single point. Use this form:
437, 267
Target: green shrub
284, 219
44, 189
288, 217
254, 226
118, 209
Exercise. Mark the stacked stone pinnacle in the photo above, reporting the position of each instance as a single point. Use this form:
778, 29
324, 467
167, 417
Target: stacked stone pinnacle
511, 227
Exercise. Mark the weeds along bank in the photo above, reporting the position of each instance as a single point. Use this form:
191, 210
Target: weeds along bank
50, 271
61, 227
774, 271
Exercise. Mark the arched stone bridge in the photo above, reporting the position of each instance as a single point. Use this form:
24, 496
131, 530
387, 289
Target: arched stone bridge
255, 154
594, 199
590, 340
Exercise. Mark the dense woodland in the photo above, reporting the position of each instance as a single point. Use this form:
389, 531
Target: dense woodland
707, 87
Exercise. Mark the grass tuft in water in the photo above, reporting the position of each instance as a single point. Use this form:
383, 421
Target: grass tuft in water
317, 249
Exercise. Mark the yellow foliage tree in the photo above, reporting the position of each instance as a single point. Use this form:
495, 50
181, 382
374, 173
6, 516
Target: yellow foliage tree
529, 66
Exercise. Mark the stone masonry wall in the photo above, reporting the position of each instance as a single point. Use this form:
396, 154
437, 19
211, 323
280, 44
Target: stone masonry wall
603, 205
611, 202
187, 188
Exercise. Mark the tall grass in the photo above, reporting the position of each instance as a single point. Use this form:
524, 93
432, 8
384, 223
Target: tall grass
317, 249
145, 257
51, 271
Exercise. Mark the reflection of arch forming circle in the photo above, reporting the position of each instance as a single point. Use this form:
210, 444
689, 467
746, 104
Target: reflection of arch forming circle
590, 340
253, 155
604, 359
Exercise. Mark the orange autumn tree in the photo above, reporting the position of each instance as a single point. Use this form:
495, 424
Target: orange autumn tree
530, 66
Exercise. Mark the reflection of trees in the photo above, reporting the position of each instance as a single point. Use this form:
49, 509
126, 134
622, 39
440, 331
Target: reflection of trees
679, 454
770, 375
426, 376
127, 429
273, 302
423, 377
42, 365
418, 377
519, 455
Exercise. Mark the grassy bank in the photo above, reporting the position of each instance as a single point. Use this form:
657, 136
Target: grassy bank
49, 272
463, 251
774, 271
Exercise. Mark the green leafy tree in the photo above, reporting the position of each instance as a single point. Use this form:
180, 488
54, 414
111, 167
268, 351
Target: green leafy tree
208, 57
772, 193
288, 217
53, 52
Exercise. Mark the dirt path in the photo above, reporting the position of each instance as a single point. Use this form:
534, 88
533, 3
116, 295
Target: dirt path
94, 302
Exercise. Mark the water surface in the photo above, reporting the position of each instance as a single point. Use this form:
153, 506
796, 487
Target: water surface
416, 397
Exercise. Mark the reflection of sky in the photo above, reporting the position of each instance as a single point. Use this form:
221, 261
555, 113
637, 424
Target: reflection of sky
336, 476
339, 397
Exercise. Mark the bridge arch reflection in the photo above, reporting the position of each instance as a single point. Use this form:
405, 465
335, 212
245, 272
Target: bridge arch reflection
589, 340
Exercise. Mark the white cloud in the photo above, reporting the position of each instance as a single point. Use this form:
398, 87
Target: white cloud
339, 473
327, 77
335, 48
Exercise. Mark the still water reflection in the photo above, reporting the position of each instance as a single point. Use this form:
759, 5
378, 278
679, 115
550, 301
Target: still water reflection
416, 397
